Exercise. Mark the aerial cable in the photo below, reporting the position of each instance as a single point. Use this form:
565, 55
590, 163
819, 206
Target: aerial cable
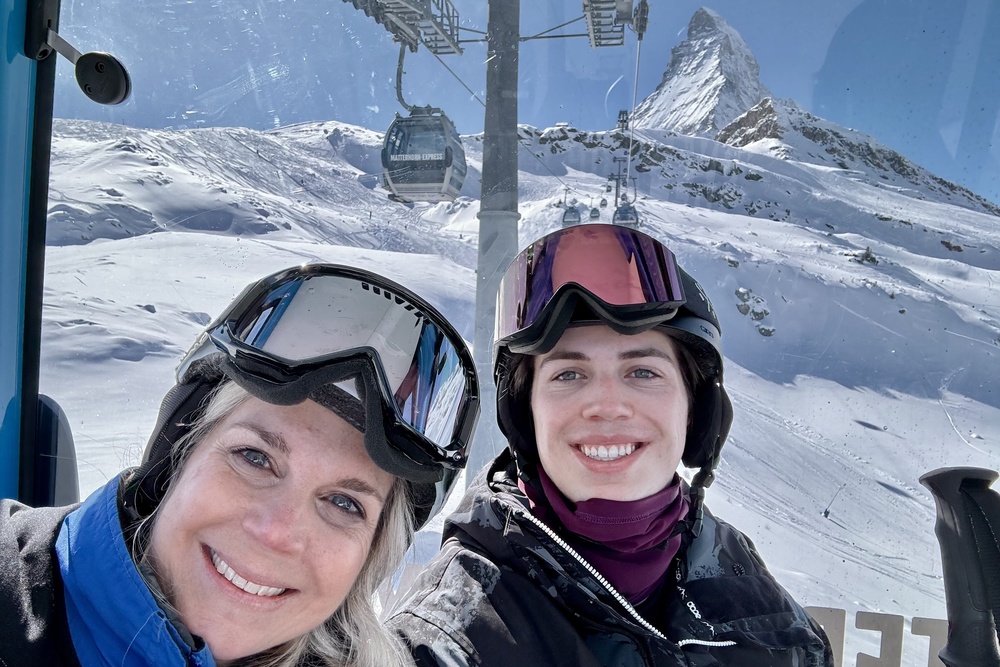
631, 128
477, 98
640, 22
409, 107
459, 79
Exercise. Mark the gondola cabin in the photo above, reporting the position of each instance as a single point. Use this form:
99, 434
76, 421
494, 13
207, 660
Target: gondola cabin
571, 216
595, 213
423, 158
626, 216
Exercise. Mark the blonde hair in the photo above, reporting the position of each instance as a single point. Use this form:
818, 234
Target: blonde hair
353, 635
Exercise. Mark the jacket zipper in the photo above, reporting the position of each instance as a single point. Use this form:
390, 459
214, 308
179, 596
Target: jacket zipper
611, 589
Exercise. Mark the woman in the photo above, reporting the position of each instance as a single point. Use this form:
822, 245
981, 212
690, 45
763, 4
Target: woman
581, 545
314, 425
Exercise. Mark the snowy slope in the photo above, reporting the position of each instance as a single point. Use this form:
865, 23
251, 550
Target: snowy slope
847, 375
782, 129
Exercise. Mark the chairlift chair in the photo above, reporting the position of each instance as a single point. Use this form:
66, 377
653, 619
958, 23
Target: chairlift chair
423, 158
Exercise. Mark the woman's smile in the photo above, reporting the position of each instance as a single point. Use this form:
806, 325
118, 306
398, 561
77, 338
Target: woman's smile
608, 452
233, 577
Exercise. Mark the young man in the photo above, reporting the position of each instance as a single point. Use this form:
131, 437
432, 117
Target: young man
581, 545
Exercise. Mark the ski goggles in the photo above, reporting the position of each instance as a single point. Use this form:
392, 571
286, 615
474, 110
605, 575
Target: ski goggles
628, 279
383, 347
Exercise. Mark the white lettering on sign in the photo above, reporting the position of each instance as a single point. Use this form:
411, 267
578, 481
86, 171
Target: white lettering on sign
416, 157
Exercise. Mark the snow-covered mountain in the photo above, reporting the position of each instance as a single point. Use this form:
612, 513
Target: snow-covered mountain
782, 129
712, 78
856, 290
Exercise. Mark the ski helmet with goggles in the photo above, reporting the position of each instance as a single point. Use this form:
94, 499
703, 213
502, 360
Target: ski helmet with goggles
631, 282
363, 346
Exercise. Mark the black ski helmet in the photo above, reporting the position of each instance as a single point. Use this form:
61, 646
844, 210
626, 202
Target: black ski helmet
363, 346
629, 281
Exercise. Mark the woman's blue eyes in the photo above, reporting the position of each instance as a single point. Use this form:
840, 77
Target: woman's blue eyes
255, 457
346, 504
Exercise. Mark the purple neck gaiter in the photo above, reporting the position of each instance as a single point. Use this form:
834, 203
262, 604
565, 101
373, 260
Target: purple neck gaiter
629, 542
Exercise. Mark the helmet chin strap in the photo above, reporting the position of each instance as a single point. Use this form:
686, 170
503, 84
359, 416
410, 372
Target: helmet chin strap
702, 480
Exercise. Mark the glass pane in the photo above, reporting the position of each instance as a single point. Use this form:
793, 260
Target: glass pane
827, 171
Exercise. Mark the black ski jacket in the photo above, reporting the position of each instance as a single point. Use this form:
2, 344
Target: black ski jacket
70, 593
505, 590
34, 629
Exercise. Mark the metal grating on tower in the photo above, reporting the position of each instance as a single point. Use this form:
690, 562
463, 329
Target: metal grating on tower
433, 23
602, 22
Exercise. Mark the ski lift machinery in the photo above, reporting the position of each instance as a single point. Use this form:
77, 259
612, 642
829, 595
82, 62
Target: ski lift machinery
422, 155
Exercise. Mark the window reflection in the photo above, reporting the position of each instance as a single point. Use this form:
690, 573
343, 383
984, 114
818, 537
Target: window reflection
844, 215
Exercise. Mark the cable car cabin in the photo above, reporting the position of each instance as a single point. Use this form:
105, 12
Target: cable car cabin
571, 216
626, 216
595, 213
423, 158
604, 202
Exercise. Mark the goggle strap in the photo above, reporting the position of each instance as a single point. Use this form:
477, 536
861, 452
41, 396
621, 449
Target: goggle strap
146, 487
341, 403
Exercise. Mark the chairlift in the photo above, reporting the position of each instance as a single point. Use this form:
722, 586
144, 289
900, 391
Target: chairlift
626, 216
571, 216
423, 158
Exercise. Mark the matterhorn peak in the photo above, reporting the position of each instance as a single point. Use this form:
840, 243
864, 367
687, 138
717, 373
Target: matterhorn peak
712, 78
705, 22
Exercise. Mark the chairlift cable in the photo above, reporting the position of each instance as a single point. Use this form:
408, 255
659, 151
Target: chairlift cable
399, 96
519, 141
458, 78
631, 125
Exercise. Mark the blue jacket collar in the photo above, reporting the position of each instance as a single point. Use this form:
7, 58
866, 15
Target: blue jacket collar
113, 617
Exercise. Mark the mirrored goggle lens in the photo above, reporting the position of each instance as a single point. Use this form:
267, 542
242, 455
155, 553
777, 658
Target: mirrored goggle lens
620, 266
308, 318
